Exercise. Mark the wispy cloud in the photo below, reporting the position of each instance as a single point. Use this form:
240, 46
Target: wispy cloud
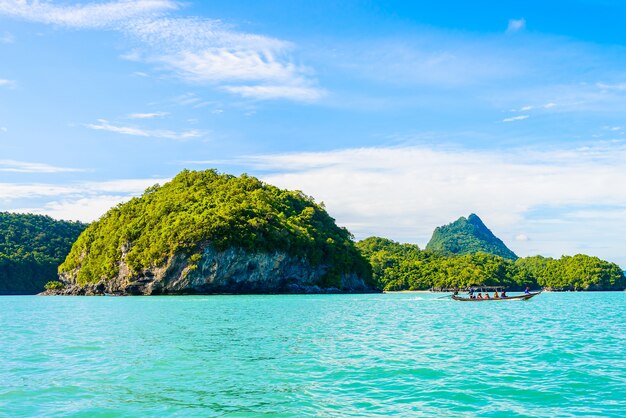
7, 83
515, 118
6, 38
85, 209
277, 92
192, 100
148, 115
12, 166
207, 51
614, 86
15, 191
93, 15
104, 125
198, 50
516, 25
85, 201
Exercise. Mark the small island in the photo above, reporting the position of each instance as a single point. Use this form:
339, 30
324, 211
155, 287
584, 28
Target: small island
206, 232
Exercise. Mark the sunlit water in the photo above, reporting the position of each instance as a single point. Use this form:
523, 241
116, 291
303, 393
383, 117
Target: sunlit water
560, 354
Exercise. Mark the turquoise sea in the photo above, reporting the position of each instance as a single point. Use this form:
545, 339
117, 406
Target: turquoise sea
409, 354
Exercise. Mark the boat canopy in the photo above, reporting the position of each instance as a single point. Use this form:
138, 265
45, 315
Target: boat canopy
474, 287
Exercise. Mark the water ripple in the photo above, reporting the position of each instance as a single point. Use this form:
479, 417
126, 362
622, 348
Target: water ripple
317, 355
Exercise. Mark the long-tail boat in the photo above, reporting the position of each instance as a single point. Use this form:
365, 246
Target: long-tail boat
486, 289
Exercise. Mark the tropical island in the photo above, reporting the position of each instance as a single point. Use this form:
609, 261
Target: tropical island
207, 232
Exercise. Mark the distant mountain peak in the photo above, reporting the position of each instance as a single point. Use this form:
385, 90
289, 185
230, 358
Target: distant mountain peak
467, 236
474, 219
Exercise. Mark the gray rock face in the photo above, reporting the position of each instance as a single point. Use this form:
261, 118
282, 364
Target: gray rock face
230, 271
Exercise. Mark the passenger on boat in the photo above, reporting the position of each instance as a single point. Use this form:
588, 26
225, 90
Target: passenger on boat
496, 295
486, 296
527, 291
480, 296
503, 295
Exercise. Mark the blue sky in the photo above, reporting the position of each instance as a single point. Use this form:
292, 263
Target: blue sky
399, 116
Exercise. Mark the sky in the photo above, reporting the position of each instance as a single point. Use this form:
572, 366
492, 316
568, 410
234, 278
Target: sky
398, 116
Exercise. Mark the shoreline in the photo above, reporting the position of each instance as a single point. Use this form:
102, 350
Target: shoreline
409, 291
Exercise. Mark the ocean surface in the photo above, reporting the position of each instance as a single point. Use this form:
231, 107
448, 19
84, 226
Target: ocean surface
560, 354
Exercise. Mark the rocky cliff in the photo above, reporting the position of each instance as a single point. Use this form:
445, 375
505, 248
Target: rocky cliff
216, 272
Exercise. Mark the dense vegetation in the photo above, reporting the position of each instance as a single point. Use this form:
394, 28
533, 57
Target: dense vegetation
205, 207
578, 272
405, 267
31, 248
468, 236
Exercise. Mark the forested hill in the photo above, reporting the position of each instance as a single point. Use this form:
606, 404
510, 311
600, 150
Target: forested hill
405, 267
31, 249
202, 221
468, 236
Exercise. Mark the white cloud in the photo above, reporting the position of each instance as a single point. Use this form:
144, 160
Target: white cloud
277, 92
84, 201
516, 25
207, 51
198, 50
521, 237
12, 166
222, 64
92, 15
404, 193
104, 125
86, 209
525, 108
515, 118
615, 86
148, 115
7, 83
131, 56
549, 105
14, 191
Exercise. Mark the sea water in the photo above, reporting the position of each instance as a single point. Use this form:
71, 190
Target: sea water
559, 354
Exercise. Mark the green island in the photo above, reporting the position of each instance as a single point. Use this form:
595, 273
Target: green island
468, 236
466, 252
207, 232
31, 249
398, 266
